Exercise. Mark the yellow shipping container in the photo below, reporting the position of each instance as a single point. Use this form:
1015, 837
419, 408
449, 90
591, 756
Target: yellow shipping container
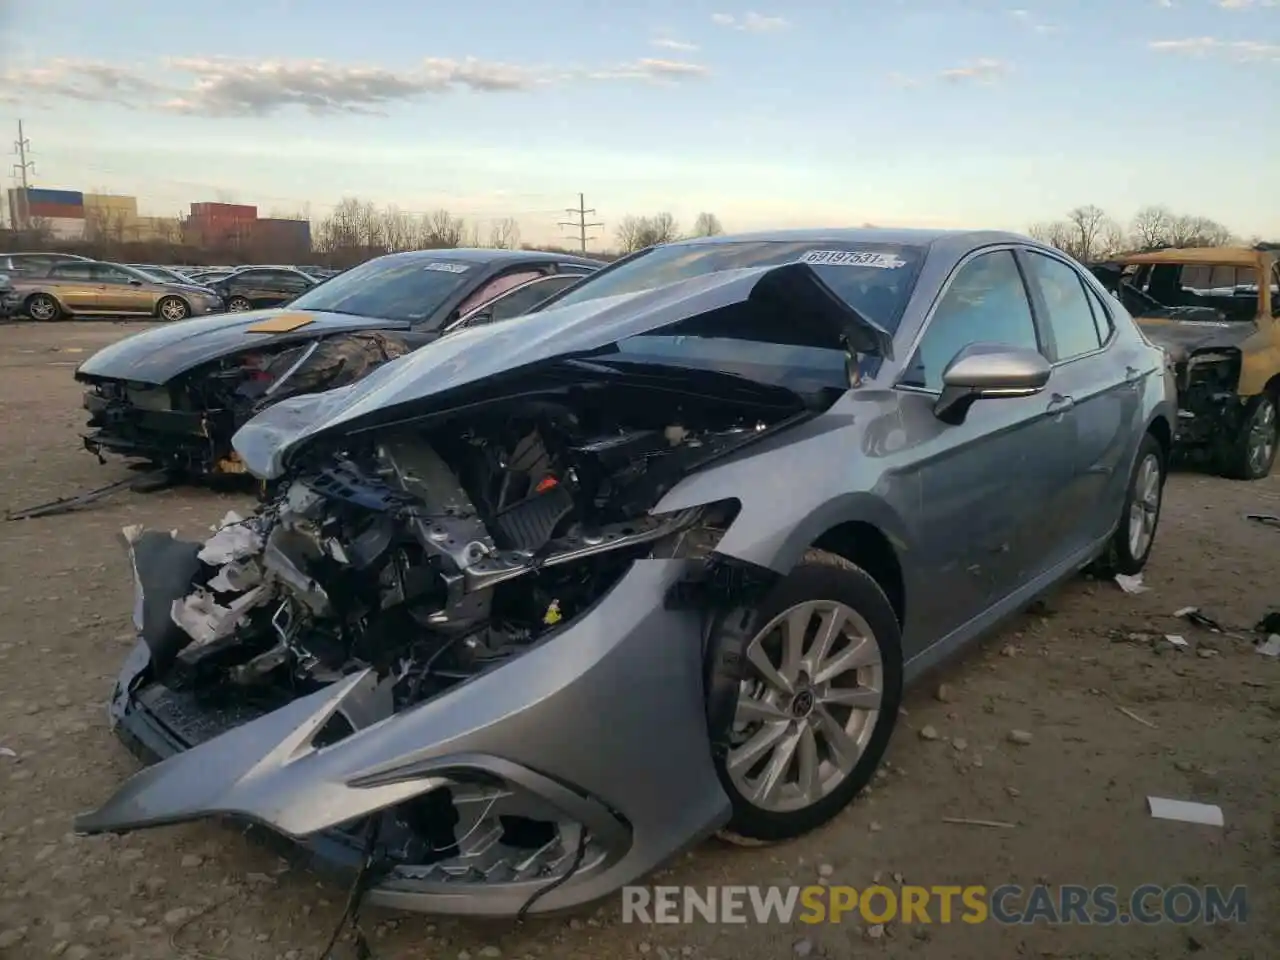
119, 206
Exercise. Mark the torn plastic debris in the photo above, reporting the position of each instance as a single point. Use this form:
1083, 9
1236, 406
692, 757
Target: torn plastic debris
233, 540
1185, 811
1176, 640
205, 620
1271, 648
1131, 584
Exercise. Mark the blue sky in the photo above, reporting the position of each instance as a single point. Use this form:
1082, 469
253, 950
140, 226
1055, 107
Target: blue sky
916, 112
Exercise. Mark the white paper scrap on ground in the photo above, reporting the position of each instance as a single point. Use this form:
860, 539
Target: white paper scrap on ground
1131, 584
1176, 640
1272, 647
1186, 811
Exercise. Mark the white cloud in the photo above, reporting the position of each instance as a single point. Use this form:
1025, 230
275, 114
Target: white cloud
668, 44
1245, 4
984, 70
750, 22
1026, 18
1165, 4
227, 86
1239, 50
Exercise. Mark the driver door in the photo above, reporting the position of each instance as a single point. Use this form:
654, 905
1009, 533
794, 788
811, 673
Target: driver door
987, 484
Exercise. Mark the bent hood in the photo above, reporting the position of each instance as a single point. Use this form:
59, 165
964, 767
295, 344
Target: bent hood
786, 305
158, 355
1181, 338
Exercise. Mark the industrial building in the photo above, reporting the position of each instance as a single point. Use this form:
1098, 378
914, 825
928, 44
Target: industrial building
72, 215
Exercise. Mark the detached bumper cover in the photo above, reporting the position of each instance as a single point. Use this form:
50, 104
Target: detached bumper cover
631, 769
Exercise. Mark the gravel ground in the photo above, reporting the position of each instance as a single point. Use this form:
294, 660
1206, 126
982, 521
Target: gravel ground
1075, 794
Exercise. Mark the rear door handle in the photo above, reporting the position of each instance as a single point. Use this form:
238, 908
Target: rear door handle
1059, 404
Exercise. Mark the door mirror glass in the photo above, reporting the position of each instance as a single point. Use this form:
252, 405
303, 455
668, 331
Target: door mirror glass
986, 371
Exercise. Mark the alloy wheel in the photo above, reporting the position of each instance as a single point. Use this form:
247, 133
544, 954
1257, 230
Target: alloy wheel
1262, 437
805, 717
1144, 506
42, 308
238, 305
173, 309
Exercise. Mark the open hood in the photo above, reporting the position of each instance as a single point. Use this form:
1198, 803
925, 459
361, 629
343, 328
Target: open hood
786, 305
158, 355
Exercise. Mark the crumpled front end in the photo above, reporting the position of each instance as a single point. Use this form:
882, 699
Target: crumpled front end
187, 424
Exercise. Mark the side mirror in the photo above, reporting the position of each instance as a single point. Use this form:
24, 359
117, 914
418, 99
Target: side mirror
985, 371
135, 283
480, 318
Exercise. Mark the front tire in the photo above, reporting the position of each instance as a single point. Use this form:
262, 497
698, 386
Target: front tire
42, 308
1252, 452
1131, 544
239, 305
172, 308
819, 702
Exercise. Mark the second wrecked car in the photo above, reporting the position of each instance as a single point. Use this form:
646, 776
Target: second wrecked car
1216, 310
174, 395
540, 606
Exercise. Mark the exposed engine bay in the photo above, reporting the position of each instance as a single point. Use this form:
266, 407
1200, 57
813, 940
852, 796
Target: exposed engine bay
430, 557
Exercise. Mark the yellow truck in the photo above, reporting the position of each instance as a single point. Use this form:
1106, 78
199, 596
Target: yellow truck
1216, 312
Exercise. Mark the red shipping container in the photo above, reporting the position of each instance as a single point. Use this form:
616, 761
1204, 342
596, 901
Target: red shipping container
55, 211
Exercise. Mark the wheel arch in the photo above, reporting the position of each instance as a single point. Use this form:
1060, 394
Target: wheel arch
1160, 428
867, 546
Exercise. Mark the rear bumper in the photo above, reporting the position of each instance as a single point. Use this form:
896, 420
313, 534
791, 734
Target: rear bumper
8, 305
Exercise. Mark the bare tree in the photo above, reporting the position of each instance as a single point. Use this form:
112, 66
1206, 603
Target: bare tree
1055, 233
505, 234
1112, 240
662, 229
398, 231
440, 229
707, 225
630, 233
470, 236
1088, 225
1191, 231
1151, 227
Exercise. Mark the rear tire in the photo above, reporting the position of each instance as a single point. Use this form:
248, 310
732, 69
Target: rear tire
800, 756
1252, 452
1131, 544
239, 305
42, 308
172, 309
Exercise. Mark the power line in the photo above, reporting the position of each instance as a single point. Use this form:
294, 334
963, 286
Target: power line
580, 211
21, 170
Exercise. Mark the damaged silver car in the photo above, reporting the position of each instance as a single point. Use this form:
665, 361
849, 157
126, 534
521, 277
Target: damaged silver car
535, 608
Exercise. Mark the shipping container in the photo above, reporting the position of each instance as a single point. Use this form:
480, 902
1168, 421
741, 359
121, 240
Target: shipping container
223, 212
64, 228
63, 198
119, 206
56, 211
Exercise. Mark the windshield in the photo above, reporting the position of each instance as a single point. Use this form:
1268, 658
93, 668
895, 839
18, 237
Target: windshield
390, 289
876, 279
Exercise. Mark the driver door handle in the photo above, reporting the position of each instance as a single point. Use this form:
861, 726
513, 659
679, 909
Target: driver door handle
1059, 404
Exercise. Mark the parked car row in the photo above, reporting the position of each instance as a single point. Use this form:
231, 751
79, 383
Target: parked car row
47, 287
543, 593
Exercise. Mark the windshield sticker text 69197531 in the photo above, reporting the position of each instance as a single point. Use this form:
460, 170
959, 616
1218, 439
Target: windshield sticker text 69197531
852, 258
442, 267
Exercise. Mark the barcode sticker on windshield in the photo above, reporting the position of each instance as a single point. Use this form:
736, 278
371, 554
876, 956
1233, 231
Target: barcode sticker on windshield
852, 258
441, 267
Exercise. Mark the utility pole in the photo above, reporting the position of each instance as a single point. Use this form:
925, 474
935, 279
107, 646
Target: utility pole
21, 171
580, 222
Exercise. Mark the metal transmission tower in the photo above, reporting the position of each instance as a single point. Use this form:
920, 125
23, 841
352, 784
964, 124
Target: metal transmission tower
580, 224
21, 171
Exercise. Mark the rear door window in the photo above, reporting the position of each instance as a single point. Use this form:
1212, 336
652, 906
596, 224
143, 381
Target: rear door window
1071, 318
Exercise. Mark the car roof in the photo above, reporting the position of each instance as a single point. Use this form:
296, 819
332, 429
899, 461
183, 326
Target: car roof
1207, 256
907, 236
495, 257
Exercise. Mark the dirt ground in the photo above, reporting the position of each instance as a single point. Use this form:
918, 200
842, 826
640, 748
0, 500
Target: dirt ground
1074, 795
